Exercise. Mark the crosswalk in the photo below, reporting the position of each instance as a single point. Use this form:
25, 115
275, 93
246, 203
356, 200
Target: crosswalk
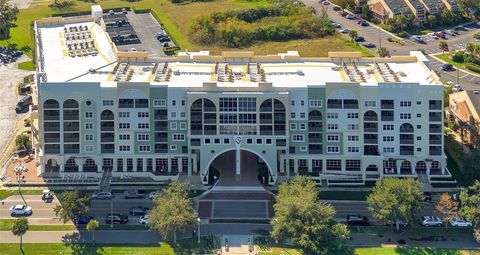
7, 131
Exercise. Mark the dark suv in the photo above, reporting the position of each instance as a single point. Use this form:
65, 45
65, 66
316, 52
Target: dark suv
357, 220
116, 218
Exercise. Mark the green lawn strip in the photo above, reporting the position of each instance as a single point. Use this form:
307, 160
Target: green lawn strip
380, 251
120, 227
27, 65
420, 231
447, 58
343, 195
6, 225
6, 193
358, 47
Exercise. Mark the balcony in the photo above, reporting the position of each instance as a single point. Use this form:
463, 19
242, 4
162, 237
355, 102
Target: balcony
435, 116
406, 150
435, 105
370, 127
435, 129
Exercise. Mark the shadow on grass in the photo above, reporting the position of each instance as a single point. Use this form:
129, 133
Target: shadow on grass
426, 251
79, 246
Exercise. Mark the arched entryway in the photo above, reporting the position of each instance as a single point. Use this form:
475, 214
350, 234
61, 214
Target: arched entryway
52, 166
254, 170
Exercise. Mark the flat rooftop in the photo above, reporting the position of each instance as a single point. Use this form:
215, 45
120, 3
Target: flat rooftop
83, 52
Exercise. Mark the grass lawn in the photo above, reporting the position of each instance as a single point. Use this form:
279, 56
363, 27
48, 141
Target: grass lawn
28, 65
383, 251
176, 20
183, 247
441, 231
6, 225
6, 193
446, 57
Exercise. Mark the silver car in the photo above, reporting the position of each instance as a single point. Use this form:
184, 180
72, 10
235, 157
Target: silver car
429, 221
102, 195
21, 210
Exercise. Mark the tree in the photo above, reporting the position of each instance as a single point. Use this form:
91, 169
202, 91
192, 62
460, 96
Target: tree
462, 126
367, 12
300, 216
172, 211
352, 34
8, 15
395, 200
92, 225
470, 208
447, 207
470, 7
72, 205
344, 4
382, 52
23, 141
432, 19
19, 228
472, 160
444, 46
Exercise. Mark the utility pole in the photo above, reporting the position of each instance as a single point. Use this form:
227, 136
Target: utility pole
379, 38
111, 213
458, 76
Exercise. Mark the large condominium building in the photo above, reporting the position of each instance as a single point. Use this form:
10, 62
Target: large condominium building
344, 119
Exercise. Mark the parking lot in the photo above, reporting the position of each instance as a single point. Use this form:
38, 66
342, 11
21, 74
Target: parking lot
142, 27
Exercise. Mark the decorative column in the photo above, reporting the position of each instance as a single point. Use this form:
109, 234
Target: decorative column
180, 165
238, 143
62, 167
309, 165
169, 164
295, 166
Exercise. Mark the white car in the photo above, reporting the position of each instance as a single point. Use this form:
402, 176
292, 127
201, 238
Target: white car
460, 222
344, 31
154, 194
144, 219
429, 221
102, 195
351, 16
18, 210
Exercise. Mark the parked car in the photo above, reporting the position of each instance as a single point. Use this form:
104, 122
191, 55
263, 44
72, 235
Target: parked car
144, 219
111, 12
325, 3
418, 39
337, 8
21, 210
450, 32
357, 220
359, 39
138, 210
23, 104
134, 193
460, 222
154, 194
441, 35
99, 194
369, 45
456, 196
344, 31
447, 67
429, 221
443, 48
362, 23
336, 25
427, 197
124, 11
116, 218
83, 219
351, 16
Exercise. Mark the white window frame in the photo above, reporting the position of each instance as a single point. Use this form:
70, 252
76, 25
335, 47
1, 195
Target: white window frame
159, 103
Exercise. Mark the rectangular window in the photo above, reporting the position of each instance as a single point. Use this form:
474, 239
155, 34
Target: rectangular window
179, 137
302, 115
292, 103
143, 137
183, 125
332, 115
333, 138
173, 126
182, 114
143, 125
352, 115
88, 115
405, 116
315, 103
333, 149
124, 137
88, 148
292, 115
88, 137
247, 104
159, 103
124, 115
405, 103
142, 114
88, 126
334, 164
352, 126
353, 138
174, 102
353, 149
303, 148
303, 126
173, 147
388, 138
298, 138
183, 102
173, 114
107, 102
124, 148
332, 126
388, 150
144, 148
123, 125
293, 126
370, 103
387, 127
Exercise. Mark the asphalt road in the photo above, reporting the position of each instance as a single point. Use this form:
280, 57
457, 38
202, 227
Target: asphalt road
379, 37
43, 212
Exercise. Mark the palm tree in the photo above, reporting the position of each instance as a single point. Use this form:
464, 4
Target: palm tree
475, 134
432, 19
462, 125
444, 46
352, 34
91, 226
470, 48
19, 228
382, 51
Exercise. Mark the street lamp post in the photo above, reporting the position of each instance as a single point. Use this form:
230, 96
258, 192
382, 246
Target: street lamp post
111, 213
198, 234
18, 172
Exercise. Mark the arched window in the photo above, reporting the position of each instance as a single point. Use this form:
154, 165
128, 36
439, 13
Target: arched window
421, 166
107, 115
406, 128
70, 104
203, 117
315, 115
51, 104
370, 116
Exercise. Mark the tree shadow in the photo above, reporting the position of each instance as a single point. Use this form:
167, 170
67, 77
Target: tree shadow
426, 251
63, 5
80, 246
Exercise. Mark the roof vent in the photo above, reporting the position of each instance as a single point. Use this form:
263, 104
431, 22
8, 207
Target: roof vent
92, 70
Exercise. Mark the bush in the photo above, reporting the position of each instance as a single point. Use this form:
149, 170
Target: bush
137, 11
473, 67
458, 56
477, 36
403, 34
